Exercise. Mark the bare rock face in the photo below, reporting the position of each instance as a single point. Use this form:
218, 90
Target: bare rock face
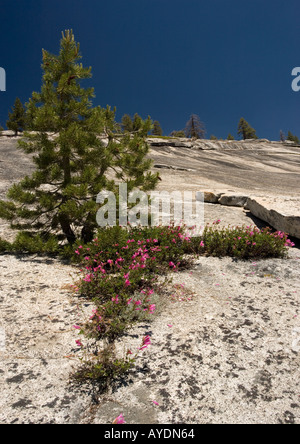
235, 200
208, 196
283, 215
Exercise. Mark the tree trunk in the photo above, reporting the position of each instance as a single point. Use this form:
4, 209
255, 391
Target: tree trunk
64, 218
66, 228
87, 234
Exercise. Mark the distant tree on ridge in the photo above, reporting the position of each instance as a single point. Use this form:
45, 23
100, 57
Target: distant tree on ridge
157, 131
245, 130
195, 128
16, 118
293, 138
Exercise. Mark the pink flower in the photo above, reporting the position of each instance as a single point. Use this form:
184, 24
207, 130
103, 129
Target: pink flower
152, 308
119, 420
154, 402
116, 299
76, 327
146, 342
127, 283
201, 244
79, 343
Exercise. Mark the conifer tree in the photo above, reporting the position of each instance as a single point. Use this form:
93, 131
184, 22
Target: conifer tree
127, 124
137, 122
293, 138
195, 128
230, 137
157, 131
245, 130
72, 161
16, 118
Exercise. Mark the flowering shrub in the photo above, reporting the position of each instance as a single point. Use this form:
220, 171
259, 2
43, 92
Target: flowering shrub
244, 242
121, 273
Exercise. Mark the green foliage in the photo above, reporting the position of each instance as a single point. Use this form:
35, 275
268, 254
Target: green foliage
243, 242
16, 118
133, 125
293, 138
137, 122
127, 124
5, 247
72, 163
230, 137
122, 275
245, 130
157, 131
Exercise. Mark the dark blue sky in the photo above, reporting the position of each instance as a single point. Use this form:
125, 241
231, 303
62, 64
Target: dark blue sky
220, 59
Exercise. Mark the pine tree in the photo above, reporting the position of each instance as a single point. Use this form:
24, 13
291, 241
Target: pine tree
293, 138
16, 118
127, 124
137, 122
195, 128
157, 131
72, 162
230, 137
245, 130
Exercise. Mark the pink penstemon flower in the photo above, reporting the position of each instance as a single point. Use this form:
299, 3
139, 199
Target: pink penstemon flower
119, 420
146, 342
152, 308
